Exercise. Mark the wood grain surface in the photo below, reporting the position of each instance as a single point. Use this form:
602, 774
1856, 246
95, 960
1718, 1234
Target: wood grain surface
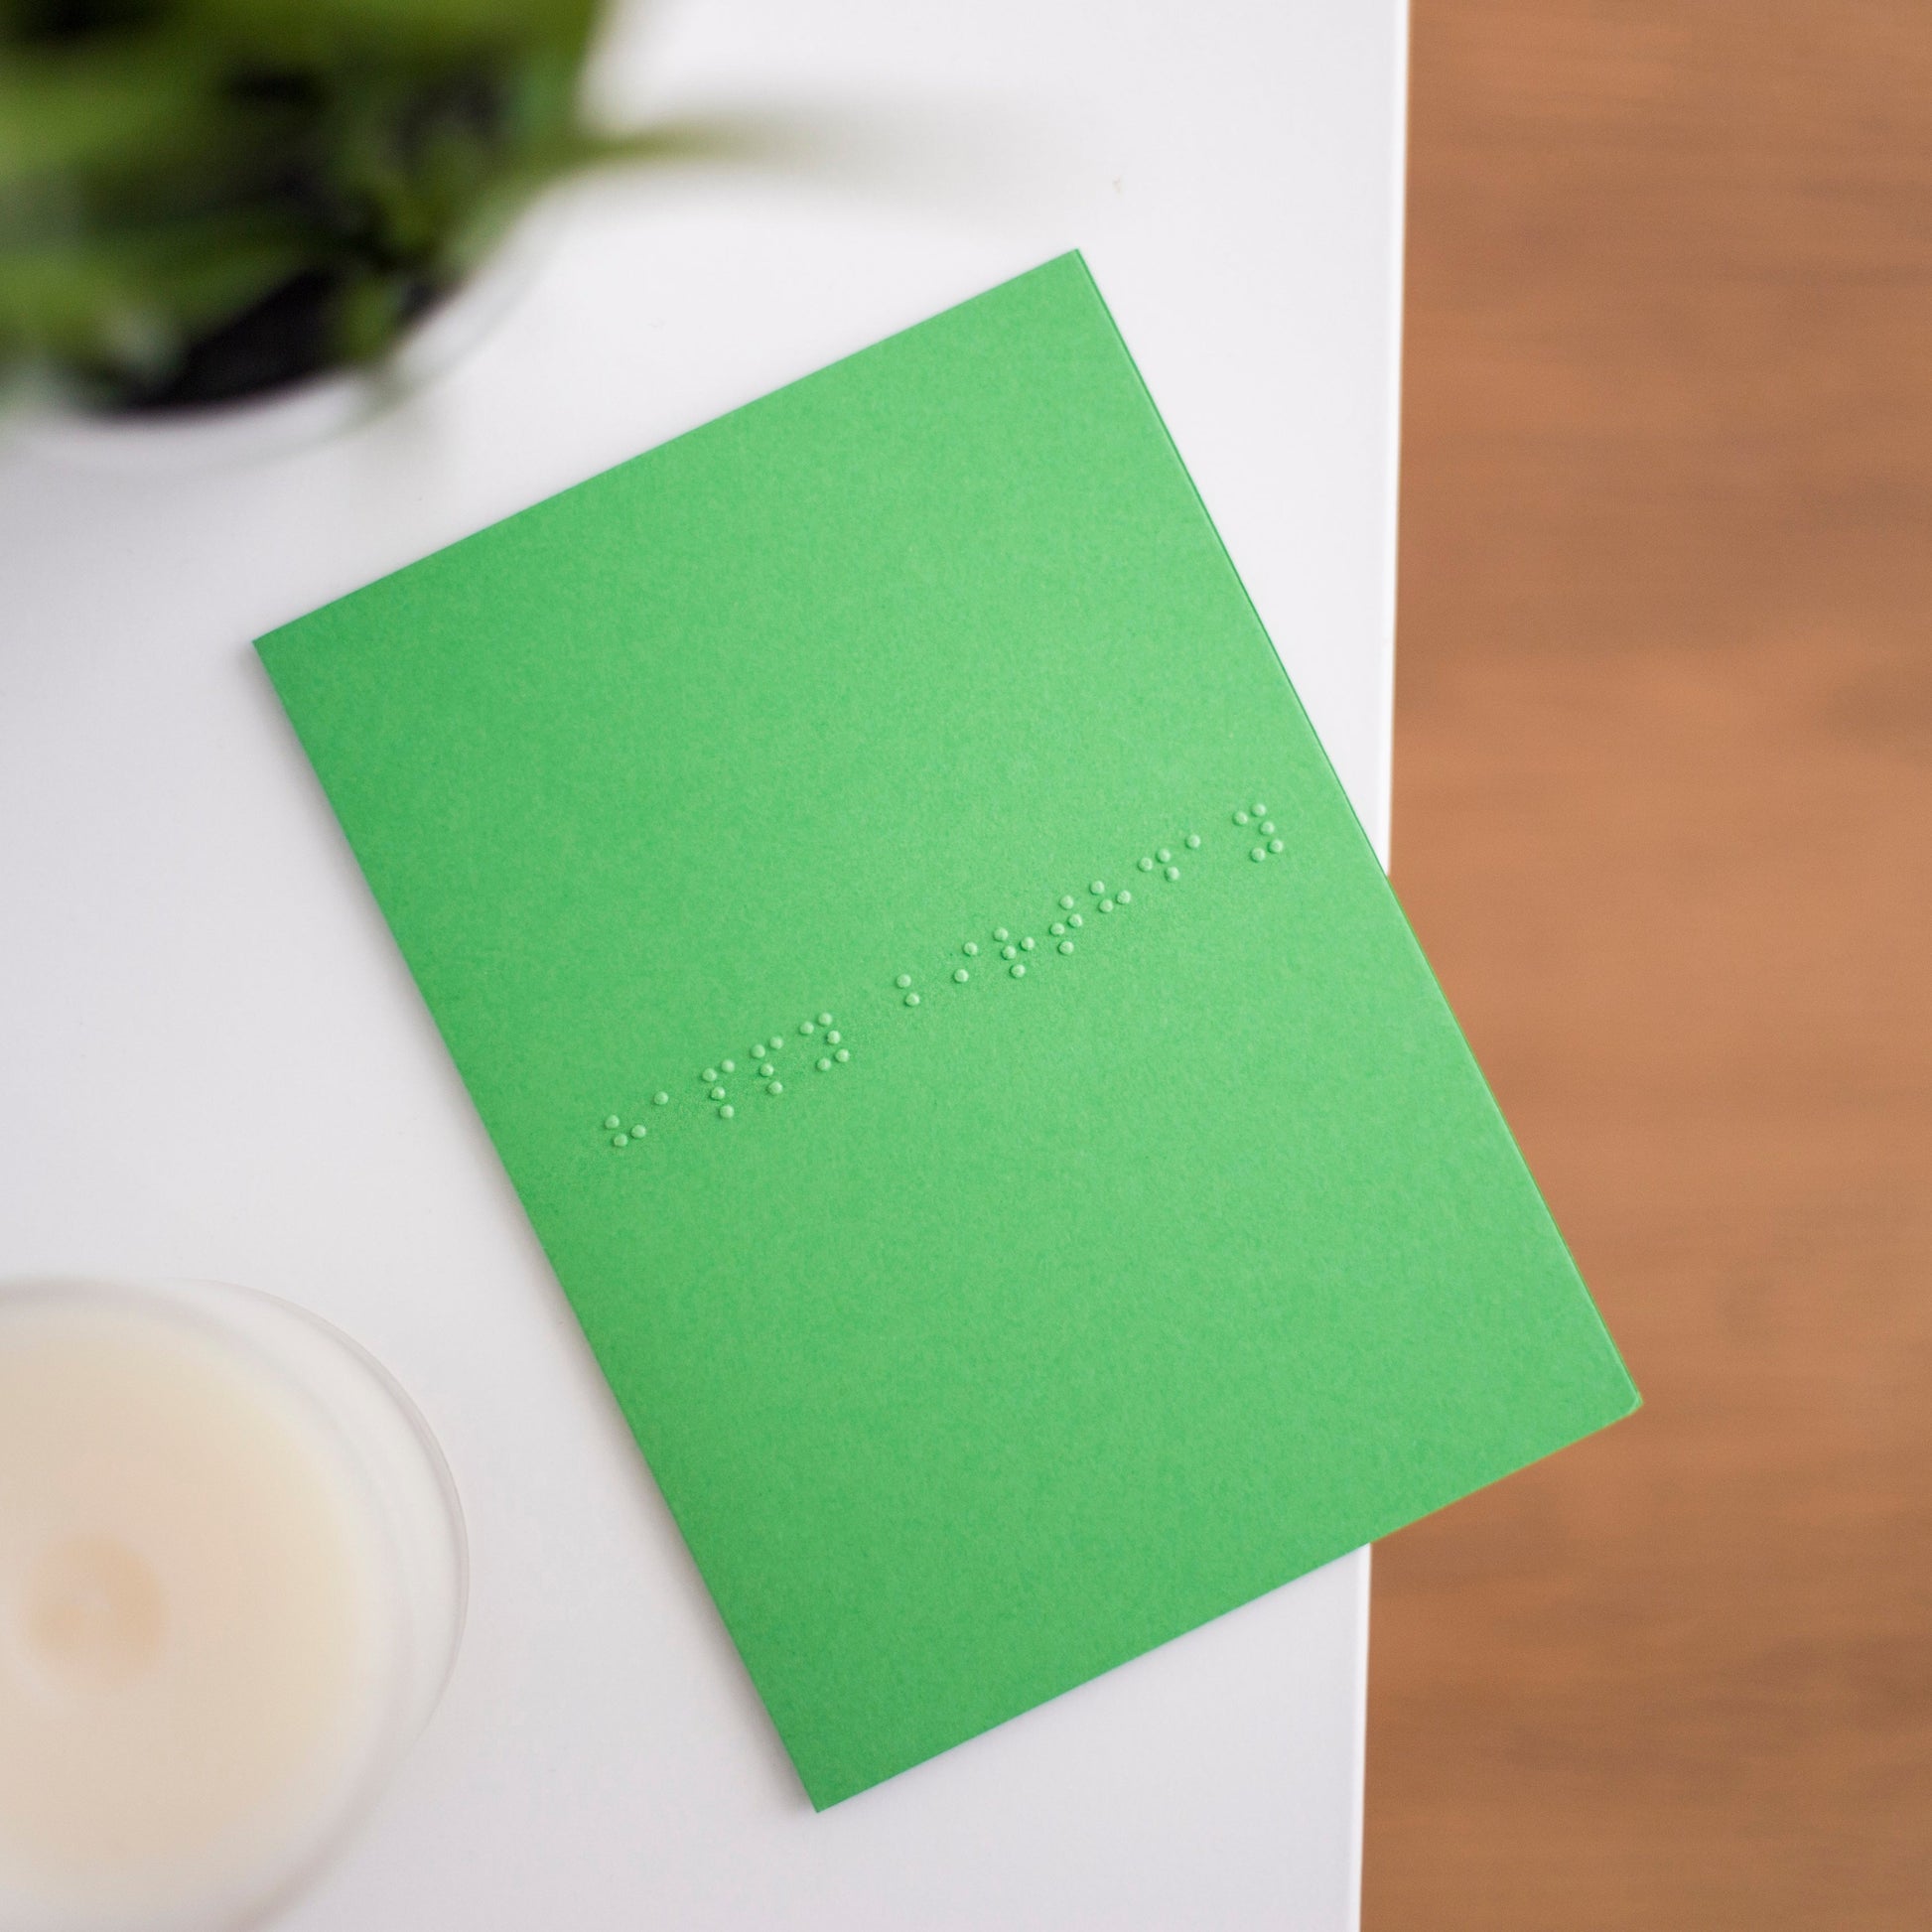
1663, 820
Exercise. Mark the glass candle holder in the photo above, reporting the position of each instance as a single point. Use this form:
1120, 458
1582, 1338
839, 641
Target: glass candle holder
232, 1578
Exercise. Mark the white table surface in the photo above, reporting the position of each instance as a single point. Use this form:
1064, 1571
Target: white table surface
213, 1060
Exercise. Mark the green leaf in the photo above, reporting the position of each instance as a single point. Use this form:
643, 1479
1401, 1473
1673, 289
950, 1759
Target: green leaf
314, 26
68, 114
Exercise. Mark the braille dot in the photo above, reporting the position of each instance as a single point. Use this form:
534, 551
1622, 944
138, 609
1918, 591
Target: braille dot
1098, 887
1067, 945
1124, 897
611, 1120
727, 1113
1146, 865
1057, 928
1020, 971
1009, 952
1193, 841
1027, 944
1166, 856
620, 1140
716, 1094
843, 1055
834, 1037
912, 999
1241, 818
777, 1042
824, 1019
961, 975
1260, 811
806, 1026
754, 1051
1066, 902
660, 1099
905, 980
730, 1067
1106, 905
972, 949
1268, 826
638, 1133
1258, 854
1002, 934
825, 1066
1173, 871
766, 1070
1275, 845
710, 1075
1076, 921
776, 1087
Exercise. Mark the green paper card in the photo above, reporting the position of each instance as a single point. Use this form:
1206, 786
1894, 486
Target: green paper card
947, 1028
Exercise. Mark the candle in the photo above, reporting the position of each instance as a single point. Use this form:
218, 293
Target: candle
213, 1628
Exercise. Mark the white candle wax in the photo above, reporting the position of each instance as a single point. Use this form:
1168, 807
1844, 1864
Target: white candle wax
202, 1633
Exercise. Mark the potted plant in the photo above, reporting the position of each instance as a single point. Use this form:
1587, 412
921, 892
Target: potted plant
202, 201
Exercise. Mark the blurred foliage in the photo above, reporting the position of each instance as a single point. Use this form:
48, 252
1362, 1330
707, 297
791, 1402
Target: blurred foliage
204, 199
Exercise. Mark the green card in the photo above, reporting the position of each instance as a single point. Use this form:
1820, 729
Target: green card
947, 1028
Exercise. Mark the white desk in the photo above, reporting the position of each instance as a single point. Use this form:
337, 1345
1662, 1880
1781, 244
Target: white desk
213, 1060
